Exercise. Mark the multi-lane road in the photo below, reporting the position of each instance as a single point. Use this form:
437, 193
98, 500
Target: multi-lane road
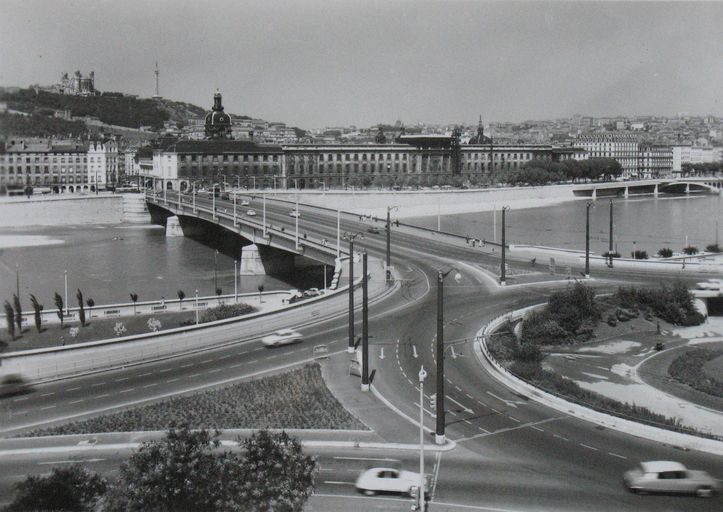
511, 452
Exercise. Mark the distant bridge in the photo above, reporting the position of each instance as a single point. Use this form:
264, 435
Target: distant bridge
280, 244
651, 186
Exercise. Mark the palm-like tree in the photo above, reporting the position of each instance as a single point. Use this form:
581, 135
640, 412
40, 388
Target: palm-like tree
134, 298
90, 302
18, 314
10, 319
81, 307
181, 296
59, 305
37, 308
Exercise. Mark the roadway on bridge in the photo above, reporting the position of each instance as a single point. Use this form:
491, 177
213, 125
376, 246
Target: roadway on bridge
512, 453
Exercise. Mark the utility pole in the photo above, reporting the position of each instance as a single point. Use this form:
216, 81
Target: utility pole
365, 326
439, 432
503, 248
17, 279
610, 245
420, 492
350, 237
389, 246
587, 240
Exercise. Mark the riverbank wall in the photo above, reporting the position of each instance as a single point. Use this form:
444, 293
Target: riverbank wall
73, 210
421, 203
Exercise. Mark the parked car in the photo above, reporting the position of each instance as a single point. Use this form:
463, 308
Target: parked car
13, 384
282, 337
373, 229
250, 213
662, 476
294, 213
312, 292
388, 480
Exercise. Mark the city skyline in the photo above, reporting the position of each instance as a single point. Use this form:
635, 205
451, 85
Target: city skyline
316, 64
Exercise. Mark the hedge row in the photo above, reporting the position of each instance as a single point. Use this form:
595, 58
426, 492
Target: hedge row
688, 369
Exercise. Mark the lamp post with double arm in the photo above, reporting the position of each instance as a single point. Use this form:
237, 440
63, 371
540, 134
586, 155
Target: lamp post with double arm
350, 237
440, 423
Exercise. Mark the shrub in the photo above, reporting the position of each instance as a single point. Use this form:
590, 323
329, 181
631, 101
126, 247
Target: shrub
640, 255
674, 304
665, 252
712, 248
608, 254
119, 329
154, 325
73, 332
690, 250
226, 311
688, 369
528, 352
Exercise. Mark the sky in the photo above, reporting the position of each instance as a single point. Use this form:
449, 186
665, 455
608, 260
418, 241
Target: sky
313, 63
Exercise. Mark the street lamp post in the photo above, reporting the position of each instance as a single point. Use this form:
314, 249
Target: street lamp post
420, 492
234, 209
365, 326
235, 281
439, 433
351, 237
196, 308
297, 222
194, 196
587, 240
65, 278
215, 271
503, 265
338, 231
389, 243
610, 244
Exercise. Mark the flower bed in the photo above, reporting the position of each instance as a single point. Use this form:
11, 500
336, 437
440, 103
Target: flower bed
688, 369
297, 399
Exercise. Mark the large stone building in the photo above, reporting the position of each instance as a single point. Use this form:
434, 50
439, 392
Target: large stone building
687, 154
103, 163
622, 147
58, 166
77, 85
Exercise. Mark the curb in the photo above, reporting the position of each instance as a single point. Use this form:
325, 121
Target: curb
488, 363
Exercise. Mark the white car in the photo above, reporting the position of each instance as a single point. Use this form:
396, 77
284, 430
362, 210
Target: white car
390, 480
282, 337
294, 213
250, 213
665, 476
244, 203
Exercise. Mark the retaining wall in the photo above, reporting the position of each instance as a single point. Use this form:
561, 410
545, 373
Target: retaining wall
61, 210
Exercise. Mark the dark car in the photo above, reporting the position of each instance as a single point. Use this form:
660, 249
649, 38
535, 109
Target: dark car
13, 385
373, 229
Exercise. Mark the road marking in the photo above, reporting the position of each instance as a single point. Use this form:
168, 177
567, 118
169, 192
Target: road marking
166, 370
618, 456
414, 350
335, 482
514, 419
560, 437
97, 384
102, 396
216, 370
437, 465
253, 361
20, 399
76, 402
206, 361
588, 447
47, 394
150, 385
121, 380
47, 407
194, 375
466, 409
224, 357
235, 365
68, 461
172, 380
127, 390
186, 365
469, 396
511, 403
538, 429
367, 458
145, 374
73, 389
508, 429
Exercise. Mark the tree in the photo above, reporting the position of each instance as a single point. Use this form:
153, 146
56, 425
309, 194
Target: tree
665, 252
181, 296
90, 302
261, 290
134, 298
690, 250
59, 305
10, 319
71, 488
37, 308
18, 314
81, 307
271, 473
712, 248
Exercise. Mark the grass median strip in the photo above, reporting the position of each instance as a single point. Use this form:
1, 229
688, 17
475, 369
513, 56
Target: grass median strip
297, 399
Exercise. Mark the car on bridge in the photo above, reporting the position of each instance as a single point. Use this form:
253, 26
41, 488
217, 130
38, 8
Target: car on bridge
389, 480
294, 213
250, 213
662, 476
244, 202
374, 230
282, 337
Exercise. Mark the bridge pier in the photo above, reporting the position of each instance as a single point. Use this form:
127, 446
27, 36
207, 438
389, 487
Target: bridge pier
655, 191
594, 194
251, 263
626, 193
687, 188
173, 227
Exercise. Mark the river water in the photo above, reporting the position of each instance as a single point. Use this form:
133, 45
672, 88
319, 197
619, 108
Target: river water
108, 262
647, 223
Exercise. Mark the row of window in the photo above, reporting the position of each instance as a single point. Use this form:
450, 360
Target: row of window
228, 158
10, 180
44, 170
27, 159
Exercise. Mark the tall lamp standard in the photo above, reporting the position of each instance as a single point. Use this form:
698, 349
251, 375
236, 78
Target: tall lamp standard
350, 237
365, 325
196, 308
420, 491
503, 265
610, 245
587, 240
65, 278
439, 433
389, 243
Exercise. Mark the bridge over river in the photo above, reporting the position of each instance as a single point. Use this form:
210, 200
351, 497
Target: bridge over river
694, 185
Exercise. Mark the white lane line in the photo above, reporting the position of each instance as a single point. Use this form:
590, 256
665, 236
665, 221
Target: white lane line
121, 379
366, 459
76, 402
206, 361
97, 384
560, 437
239, 364
538, 429
437, 465
145, 374
166, 370
47, 407
588, 447
186, 365
174, 380
150, 385
253, 361
194, 375
128, 390
20, 399
73, 389
456, 387
466, 409
102, 396
227, 356
335, 482
514, 419
48, 394
467, 394
218, 369
618, 456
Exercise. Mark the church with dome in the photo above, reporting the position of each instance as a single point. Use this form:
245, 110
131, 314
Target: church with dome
218, 122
